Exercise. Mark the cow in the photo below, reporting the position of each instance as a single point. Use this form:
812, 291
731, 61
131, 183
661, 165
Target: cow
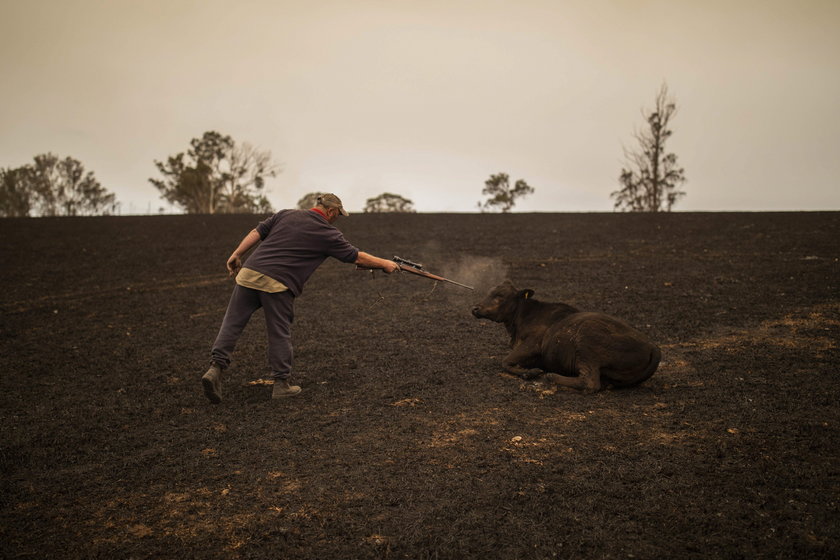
578, 349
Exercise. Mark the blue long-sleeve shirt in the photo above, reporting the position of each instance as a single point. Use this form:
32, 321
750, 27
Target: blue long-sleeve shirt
294, 244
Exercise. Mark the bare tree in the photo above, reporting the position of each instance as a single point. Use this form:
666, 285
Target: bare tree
245, 182
501, 194
389, 202
650, 180
216, 176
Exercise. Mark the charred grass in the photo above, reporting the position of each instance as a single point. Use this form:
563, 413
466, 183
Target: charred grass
408, 441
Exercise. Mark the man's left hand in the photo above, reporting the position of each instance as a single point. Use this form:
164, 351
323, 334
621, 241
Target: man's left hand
234, 263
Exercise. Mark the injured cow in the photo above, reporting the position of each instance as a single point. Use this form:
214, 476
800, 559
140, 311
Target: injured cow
573, 348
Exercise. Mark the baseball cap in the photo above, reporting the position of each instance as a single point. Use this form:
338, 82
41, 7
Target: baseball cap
329, 200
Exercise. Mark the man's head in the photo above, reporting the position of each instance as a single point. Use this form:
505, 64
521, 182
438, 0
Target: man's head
332, 206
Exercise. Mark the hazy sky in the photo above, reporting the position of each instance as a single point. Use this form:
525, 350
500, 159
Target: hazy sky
427, 98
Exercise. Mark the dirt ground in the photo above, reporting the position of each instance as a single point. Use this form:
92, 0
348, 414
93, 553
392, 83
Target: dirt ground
408, 441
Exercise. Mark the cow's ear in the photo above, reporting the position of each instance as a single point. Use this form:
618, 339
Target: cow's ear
526, 293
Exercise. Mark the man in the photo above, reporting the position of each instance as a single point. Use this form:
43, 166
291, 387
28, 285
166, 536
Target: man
293, 244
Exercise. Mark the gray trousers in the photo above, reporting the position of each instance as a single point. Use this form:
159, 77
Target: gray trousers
279, 309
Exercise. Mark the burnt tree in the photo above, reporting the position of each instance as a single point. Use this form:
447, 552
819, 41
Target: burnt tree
651, 178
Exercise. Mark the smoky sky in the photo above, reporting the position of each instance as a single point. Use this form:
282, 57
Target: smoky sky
427, 99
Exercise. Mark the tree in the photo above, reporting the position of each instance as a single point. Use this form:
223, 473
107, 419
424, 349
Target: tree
309, 200
216, 176
389, 202
500, 193
15, 193
52, 186
650, 180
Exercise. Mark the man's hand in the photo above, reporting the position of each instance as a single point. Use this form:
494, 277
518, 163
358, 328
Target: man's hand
234, 263
366, 260
390, 266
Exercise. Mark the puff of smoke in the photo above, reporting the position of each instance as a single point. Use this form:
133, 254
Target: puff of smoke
482, 273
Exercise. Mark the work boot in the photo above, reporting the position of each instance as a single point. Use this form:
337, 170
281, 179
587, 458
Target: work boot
212, 383
283, 389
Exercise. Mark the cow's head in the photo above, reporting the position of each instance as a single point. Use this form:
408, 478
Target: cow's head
500, 304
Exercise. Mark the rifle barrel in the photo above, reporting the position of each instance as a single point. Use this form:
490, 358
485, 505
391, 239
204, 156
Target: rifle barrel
422, 273
432, 276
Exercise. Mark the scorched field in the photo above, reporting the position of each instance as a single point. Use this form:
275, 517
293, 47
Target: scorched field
408, 440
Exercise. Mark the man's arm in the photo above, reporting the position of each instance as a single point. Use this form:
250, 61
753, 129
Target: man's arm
369, 261
234, 262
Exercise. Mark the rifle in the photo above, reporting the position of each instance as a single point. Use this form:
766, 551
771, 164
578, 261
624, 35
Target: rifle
417, 268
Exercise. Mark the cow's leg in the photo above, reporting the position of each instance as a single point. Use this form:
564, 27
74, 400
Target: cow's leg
588, 379
520, 360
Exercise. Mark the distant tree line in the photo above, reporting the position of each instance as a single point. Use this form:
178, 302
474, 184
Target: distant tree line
385, 202
217, 175
388, 202
53, 186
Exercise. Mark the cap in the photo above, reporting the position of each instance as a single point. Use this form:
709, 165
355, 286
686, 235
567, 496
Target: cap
329, 200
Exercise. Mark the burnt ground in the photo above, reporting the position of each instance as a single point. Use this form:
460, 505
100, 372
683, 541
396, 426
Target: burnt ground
408, 441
